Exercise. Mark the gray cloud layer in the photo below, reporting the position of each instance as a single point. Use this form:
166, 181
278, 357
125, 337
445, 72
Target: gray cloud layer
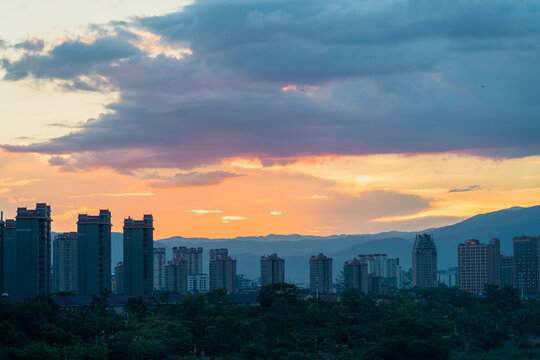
379, 77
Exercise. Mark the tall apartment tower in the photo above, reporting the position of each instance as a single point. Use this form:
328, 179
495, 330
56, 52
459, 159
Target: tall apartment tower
65, 262
272, 270
138, 256
320, 274
507, 270
222, 271
424, 261
2, 259
355, 274
93, 253
193, 256
118, 287
8, 260
478, 265
526, 264
176, 276
33, 252
159, 269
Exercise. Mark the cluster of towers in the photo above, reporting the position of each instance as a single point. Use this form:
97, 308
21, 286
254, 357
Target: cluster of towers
82, 259
482, 264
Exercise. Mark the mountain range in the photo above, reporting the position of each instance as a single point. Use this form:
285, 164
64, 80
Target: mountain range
296, 249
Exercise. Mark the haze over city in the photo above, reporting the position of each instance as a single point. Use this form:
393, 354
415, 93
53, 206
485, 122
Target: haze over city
240, 118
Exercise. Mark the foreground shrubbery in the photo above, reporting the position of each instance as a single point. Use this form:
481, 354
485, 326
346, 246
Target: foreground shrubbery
431, 324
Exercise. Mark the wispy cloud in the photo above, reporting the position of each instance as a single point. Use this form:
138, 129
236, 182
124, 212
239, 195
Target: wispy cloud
72, 213
227, 219
203, 212
275, 213
114, 194
194, 178
469, 188
317, 197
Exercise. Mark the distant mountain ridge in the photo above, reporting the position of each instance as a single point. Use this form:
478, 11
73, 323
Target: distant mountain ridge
296, 249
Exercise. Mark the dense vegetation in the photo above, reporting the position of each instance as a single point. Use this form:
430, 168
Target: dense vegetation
432, 324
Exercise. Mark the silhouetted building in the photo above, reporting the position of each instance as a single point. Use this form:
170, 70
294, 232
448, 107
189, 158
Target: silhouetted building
9, 256
387, 268
139, 256
222, 270
193, 256
65, 262
118, 287
355, 273
159, 268
526, 264
374, 283
33, 251
94, 253
198, 283
245, 284
176, 276
272, 270
320, 274
478, 265
2, 260
424, 262
507, 270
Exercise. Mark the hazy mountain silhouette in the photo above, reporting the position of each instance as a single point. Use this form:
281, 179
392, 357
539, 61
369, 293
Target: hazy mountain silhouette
296, 249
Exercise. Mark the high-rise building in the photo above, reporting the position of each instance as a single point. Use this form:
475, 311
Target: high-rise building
118, 287
139, 256
193, 256
272, 270
176, 276
198, 283
159, 268
478, 265
507, 270
222, 271
526, 264
2, 260
9, 256
94, 253
424, 262
33, 251
320, 274
355, 273
65, 262
387, 268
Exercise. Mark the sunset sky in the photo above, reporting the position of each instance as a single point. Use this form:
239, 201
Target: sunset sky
238, 118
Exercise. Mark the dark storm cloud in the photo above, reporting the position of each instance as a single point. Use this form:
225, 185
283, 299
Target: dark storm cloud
366, 77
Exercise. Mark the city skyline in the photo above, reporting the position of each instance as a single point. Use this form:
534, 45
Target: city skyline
297, 119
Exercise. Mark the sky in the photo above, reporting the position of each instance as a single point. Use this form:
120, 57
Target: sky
242, 118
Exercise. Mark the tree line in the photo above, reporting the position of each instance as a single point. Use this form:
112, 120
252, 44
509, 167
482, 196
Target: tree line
443, 323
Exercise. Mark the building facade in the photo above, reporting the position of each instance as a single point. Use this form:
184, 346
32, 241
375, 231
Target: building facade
526, 264
272, 270
198, 283
33, 251
424, 262
94, 253
478, 265
222, 270
118, 283
193, 256
507, 270
355, 274
138, 256
320, 274
65, 262
9, 256
176, 276
159, 269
